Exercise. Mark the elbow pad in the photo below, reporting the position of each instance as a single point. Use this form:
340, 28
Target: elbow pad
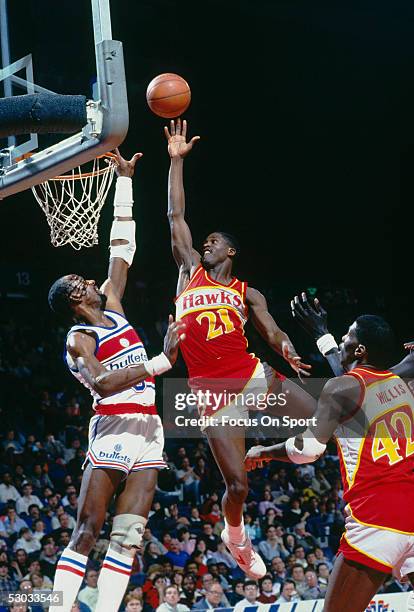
123, 230
311, 451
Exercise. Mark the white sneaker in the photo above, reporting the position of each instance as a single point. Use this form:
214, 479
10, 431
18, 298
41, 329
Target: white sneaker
246, 557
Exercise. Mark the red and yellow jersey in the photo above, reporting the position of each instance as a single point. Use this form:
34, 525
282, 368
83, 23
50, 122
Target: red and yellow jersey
215, 315
376, 449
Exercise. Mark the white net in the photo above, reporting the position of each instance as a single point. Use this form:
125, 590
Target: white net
73, 202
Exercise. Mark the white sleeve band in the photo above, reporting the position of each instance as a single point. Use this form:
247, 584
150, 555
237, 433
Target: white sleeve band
326, 343
123, 230
157, 365
311, 451
123, 200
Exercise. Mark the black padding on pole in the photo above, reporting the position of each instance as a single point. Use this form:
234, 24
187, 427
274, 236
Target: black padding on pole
42, 114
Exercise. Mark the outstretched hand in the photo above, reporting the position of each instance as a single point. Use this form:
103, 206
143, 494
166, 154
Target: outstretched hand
312, 317
295, 361
409, 346
176, 137
124, 167
175, 334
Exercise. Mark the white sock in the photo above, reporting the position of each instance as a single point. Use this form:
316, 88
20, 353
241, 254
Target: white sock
69, 574
113, 579
236, 533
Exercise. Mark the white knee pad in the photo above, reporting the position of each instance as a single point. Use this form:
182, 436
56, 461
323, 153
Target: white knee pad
311, 451
127, 530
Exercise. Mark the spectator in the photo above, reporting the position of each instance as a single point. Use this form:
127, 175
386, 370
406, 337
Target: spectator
314, 590
323, 575
209, 537
11, 524
223, 556
278, 569
304, 538
300, 557
288, 593
267, 503
238, 592
38, 529
268, 594
22, 504
177, 556
8, 491
89, 594
40, 582
187, 543
250, 596
294, 515
7, 584
69, 453
253, 530
54, 448
195, 520
212, 599
40, 477
298, 575
19, 565
132, 603
27, 541
273, 545
188, 595
190, 481
153, 589
289, 542
48, 557
11, 444
152, 554
171, 598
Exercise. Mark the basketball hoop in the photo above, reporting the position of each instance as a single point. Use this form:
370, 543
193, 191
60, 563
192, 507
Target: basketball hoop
73, 202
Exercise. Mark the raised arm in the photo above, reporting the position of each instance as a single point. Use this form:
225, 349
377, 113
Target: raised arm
338, 401
314, 320
81, 347
276, 338
122, 243
185, 256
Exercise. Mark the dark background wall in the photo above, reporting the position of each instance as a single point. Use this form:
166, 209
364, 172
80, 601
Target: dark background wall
306, 153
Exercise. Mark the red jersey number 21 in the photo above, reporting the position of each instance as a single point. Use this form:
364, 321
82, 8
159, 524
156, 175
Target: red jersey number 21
218, 322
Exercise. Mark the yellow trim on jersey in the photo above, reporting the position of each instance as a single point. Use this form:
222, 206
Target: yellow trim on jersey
212, 307
363, 552
374, 372
410, 533
378, 416
187, 290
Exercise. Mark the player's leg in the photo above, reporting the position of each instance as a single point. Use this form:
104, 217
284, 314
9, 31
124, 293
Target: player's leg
351, 586
132, 508
228, 448
97, 489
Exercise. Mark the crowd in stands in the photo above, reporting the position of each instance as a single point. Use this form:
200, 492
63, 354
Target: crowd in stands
293, 514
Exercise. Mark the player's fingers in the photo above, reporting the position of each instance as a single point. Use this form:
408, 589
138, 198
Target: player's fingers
194, 140
303, 372
172, 127
184, 129
135, 158
182, 337
170, 319
298, 306
178, 126
167, 133
305, 365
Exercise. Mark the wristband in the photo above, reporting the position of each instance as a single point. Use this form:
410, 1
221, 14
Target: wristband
326, 343
157, 365
123, 200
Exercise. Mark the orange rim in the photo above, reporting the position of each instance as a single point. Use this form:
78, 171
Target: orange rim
83, 175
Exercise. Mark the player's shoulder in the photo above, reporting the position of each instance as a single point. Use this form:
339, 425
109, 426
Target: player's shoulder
254, 296
81, 342
343, 391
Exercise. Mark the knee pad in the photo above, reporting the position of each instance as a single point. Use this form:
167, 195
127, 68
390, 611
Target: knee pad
127, 530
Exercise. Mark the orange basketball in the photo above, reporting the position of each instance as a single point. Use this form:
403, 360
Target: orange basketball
168, 95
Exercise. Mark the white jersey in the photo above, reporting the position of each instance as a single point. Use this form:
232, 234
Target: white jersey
118, 346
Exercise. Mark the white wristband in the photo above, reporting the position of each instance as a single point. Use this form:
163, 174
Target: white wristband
123, 200
157, 365
326, 343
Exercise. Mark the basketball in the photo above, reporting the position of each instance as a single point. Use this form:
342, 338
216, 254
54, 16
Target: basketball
168, 95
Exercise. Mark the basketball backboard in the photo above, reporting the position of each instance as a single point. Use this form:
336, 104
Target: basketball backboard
106, 109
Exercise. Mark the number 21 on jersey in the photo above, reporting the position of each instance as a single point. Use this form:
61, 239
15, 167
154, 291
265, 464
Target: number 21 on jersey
219, 322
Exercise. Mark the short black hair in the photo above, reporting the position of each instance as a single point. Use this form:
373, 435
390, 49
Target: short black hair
231, 240
377, 336
58, 298
250, 583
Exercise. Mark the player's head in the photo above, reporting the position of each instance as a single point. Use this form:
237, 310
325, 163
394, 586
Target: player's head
369, 340
70, 294
219, 247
